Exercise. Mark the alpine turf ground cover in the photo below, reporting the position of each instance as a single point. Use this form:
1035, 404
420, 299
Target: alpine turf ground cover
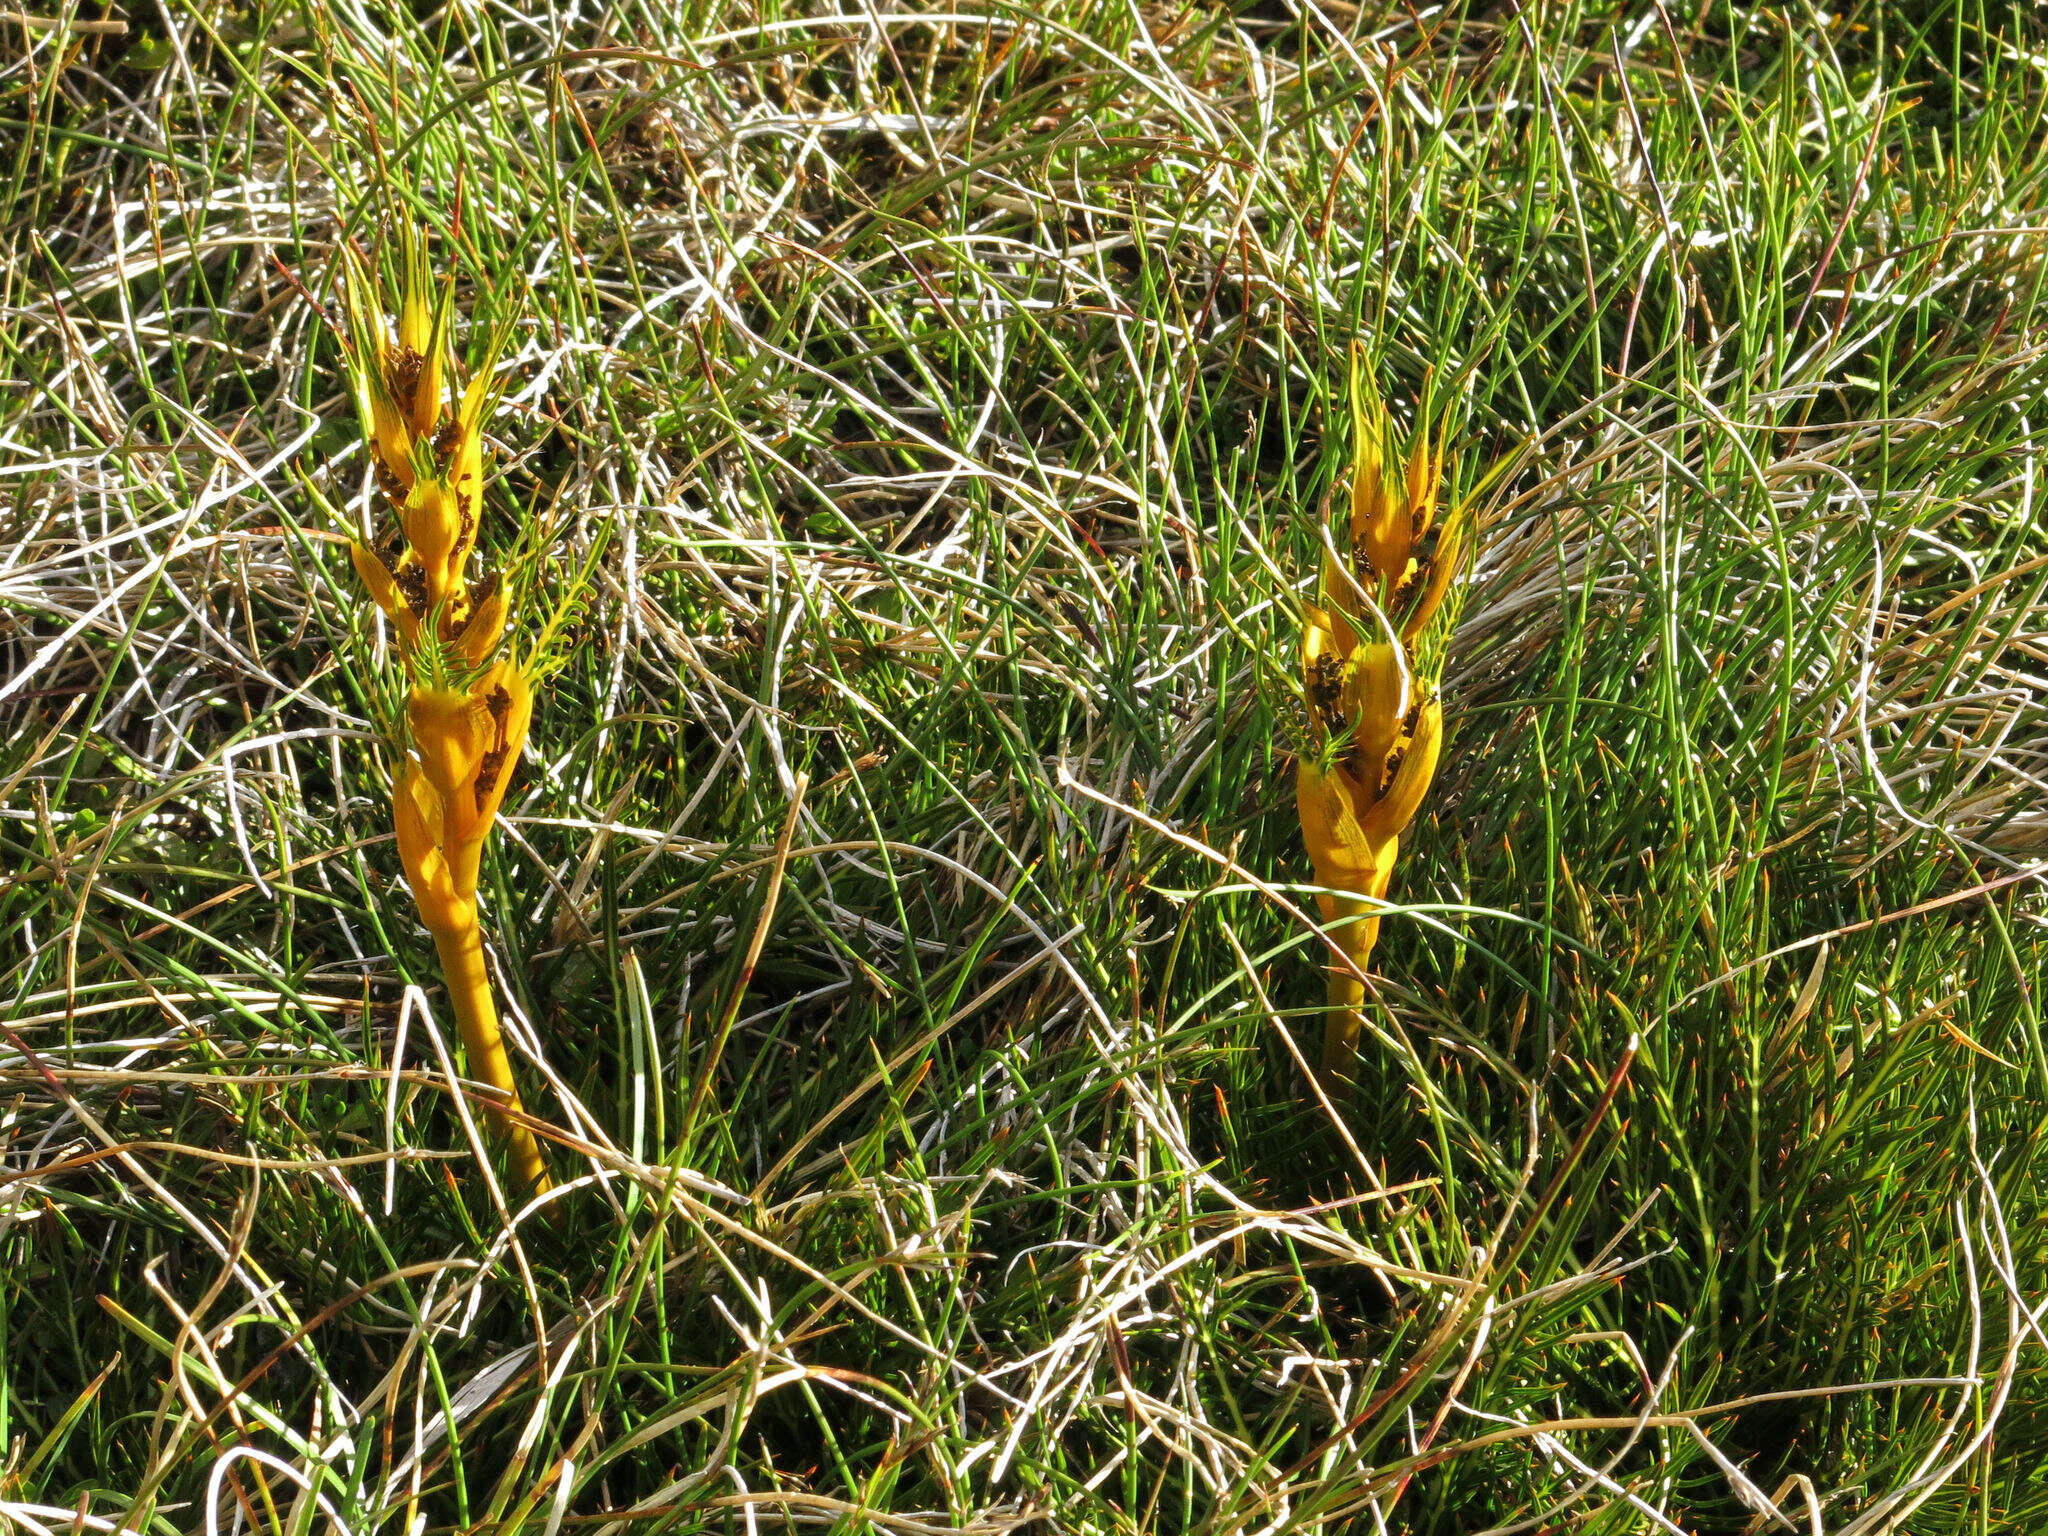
899, 914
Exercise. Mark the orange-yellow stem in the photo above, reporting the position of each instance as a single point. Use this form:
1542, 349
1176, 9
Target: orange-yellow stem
1355, 933
476, 1015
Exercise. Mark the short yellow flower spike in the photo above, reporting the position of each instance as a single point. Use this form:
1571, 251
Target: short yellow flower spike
1376, 723
1383, 519
428, 458
1394, 563
466, 714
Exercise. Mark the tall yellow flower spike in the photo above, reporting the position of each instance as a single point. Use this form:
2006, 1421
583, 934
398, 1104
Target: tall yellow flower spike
466, 714
1370, 687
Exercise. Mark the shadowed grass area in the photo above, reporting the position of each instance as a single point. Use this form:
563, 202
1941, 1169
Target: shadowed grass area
954, 396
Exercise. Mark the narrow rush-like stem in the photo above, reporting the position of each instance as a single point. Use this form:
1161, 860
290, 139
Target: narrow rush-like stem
1345, 1021
476, 1015
753, 956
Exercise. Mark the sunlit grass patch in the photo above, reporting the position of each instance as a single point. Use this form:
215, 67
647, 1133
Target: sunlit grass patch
943, 409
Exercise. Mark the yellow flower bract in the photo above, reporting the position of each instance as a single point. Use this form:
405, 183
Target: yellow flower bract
465, 742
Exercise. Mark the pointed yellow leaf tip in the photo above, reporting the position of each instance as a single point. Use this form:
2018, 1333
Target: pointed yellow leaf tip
1394, 494
466, 454
378, 577
1422, 480
1435, 574
509, 703
1413, 770
1379, 521
1368, 450
480, 632
416, 293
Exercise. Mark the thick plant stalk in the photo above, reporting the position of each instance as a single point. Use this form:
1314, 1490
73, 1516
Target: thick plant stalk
467, 707
476, 1015
1370, 656
1346, 1019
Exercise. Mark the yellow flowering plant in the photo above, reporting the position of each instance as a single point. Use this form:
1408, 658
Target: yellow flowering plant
1371, 654
468, 699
